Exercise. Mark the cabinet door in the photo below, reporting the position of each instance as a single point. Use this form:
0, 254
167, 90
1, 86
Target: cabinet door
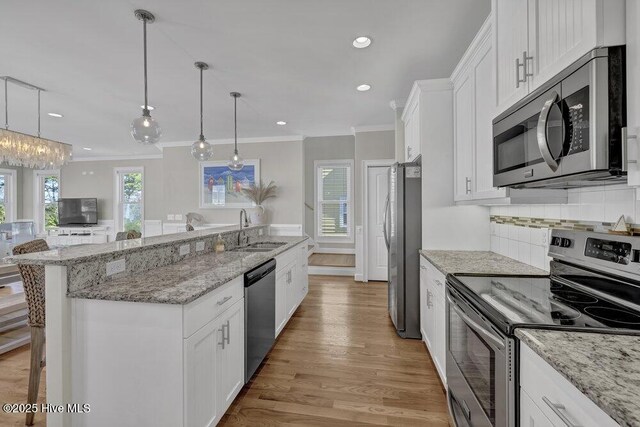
304, 274
510, 31
412, 133
430, 318
530, 414
423, 300
281, 299
463, 99
230, 355
200, 353
560, 32
440, 341
293, 290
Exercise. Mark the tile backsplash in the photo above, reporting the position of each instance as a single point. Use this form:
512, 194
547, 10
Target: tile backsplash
522, 231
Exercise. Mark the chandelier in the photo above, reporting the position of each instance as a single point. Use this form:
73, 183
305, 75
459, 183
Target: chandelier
20, 149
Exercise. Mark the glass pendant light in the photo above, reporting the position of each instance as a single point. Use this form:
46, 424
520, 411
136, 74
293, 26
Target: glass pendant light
145, 129
236, 162
201, 150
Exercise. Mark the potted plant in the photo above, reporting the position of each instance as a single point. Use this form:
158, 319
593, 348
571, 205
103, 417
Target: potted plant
258, 194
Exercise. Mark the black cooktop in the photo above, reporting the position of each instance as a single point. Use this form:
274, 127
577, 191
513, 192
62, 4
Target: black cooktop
556, 302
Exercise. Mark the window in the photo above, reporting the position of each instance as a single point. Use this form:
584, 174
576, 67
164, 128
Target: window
47, 193
130, 199
334, 201
8, 195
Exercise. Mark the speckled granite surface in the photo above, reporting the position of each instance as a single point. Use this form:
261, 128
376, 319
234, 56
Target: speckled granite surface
605, 367
184, 281
80, 253
478, 262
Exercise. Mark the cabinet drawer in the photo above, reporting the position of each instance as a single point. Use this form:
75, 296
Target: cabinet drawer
287, 257
201, 311
436, 278
556, 397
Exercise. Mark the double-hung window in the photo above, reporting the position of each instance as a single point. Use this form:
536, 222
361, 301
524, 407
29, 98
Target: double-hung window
334, 200
129, 198
47, 193
8, 195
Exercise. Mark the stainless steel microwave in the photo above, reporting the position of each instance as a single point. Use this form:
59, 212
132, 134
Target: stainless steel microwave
570, 131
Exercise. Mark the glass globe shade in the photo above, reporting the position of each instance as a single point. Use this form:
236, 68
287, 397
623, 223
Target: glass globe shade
201, 150
236, 162
145, 129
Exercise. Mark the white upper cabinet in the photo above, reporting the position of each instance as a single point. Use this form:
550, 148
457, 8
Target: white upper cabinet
411, 119
463, 106
536, 39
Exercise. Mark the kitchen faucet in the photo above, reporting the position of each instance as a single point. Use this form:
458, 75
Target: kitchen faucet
243, 225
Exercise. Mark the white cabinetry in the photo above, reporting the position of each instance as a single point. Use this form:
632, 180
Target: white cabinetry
432, 315
474, 101
536, 39
292, 283
230, 355
549, 399
411, 119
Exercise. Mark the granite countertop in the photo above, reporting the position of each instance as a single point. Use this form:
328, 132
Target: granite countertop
605, 367
78, 253
187, 280
479, 263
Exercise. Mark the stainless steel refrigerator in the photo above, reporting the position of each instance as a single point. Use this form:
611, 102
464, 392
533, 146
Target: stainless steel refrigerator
403, 236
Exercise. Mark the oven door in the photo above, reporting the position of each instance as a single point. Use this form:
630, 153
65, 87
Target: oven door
480, 391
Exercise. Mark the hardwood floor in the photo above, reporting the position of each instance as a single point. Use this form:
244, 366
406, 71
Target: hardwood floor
338, 362
332, 260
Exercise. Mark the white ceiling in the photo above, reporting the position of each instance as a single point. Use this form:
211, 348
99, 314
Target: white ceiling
291, 59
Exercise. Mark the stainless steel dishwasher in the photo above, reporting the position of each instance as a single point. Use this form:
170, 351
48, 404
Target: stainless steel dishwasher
259, 315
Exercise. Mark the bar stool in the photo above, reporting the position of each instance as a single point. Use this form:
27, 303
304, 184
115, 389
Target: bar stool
33, 283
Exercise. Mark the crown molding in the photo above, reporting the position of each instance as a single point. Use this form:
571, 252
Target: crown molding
396, 104
373, 128
226, 141
105, 158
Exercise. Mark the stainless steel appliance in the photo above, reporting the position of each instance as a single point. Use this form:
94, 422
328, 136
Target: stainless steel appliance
403, 236
594, 285
259, 315
570, 131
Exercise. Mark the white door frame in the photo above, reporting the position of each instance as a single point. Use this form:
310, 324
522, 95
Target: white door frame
117, 220
38, 203
366, 164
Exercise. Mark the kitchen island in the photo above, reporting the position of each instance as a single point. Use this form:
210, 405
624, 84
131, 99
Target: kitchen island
161, 343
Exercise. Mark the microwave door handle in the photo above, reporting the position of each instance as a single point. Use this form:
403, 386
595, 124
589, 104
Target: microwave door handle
475, 325
541, 132
384, 222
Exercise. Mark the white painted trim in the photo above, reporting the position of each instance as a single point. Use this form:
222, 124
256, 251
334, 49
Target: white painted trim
419, 86
117, 158
347, 251
226, 141
13, 194
358, 278
396, 104
350, 238
373, 128
366, 164
472, 50
117, 226
345, 132
38, 207
331, 271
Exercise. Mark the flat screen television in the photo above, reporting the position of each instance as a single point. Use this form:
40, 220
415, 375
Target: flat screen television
77, 211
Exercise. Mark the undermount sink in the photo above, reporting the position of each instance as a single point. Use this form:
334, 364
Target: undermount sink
259, 247
248, 249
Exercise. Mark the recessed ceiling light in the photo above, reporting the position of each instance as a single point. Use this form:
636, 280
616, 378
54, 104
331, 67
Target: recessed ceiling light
364, 88
57, 115
281, 123
87, 148
149, 107
361, 42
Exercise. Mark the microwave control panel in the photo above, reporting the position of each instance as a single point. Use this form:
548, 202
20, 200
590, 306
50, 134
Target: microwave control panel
576, 114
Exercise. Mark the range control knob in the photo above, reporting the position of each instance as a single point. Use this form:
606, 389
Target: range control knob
565, 243
555, 241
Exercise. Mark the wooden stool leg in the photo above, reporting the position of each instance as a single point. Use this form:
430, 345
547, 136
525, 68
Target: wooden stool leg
37, 346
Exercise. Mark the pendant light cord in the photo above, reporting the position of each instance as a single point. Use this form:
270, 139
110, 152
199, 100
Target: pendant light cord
235, 123
38, 113
201, 133
6, 105
144, 37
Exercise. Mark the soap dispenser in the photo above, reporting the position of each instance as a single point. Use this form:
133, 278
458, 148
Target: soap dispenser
219, 244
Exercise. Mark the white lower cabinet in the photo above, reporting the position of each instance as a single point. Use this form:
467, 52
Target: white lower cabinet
292, 283
549, 399
230, 355
432, 315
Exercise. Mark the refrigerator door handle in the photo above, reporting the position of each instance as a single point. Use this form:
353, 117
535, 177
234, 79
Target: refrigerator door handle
384, 224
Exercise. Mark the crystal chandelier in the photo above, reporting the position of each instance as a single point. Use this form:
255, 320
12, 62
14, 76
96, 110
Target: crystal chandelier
20, 149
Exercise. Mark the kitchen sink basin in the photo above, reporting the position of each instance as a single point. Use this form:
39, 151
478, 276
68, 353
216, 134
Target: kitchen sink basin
266, 245
248, 249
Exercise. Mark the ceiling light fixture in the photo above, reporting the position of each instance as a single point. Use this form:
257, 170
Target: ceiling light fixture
56, 115
201, 150
364, 87
361, 42
87, 148
281, 123
236, 162
145, 129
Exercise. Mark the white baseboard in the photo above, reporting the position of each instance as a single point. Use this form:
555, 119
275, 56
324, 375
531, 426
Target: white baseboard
358, 278
349, 251
331, 271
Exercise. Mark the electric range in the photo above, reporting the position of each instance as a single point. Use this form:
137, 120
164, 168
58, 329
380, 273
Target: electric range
594, 285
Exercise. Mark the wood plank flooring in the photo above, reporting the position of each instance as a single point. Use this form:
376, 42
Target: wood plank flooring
332, 260
338, 362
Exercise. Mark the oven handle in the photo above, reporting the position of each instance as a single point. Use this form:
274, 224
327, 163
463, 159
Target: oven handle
541, 132
475, 325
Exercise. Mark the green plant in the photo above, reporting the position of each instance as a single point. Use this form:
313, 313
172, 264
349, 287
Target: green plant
259, 193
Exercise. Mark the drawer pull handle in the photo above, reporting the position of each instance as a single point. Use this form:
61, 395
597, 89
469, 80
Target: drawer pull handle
225, 299
559, 409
